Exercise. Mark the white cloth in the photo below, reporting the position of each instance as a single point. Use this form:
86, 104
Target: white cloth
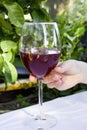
70, 111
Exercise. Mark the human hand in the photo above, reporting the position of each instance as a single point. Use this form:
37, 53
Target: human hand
32, 78
64, 76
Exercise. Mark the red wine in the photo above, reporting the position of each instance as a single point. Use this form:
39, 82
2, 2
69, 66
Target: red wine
40, 61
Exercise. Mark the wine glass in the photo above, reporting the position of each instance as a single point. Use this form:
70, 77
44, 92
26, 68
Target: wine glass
40, 51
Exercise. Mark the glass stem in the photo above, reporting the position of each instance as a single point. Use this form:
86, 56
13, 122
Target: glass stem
40, 97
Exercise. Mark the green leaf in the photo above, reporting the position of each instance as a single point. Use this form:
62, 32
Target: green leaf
69, 37
5, 25
35, 3
40, 15
1, 62
8, 56
15, 13
10, 72
8, 45
18, 31
80, 31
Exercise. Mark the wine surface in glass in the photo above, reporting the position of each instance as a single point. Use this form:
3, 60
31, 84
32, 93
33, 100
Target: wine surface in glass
40, 61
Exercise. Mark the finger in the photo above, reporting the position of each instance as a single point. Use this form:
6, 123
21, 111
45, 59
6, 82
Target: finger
58, 70
64, 67
67, 82
55, 84
51, 78
32, 78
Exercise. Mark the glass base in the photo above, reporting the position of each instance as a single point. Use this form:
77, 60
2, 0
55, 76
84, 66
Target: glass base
41, 122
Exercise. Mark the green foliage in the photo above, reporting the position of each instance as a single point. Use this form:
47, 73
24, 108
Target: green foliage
12, 17
15, 13
23, 103
72, 26
1, 62
8, 45
9, 72
8, 50
71, 23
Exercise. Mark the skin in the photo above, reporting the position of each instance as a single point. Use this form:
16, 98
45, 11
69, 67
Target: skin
66, 75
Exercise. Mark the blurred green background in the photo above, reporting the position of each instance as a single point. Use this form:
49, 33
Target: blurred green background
71, 17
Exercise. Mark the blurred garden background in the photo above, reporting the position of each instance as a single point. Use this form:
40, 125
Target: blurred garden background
71, 18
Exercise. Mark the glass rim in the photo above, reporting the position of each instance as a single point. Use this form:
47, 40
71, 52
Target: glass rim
31, 23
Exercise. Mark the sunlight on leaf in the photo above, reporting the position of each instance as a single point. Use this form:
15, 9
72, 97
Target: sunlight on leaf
10, 72
8, 45
8, 56
15, 13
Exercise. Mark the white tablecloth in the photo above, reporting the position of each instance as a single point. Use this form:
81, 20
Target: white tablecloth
70, 111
